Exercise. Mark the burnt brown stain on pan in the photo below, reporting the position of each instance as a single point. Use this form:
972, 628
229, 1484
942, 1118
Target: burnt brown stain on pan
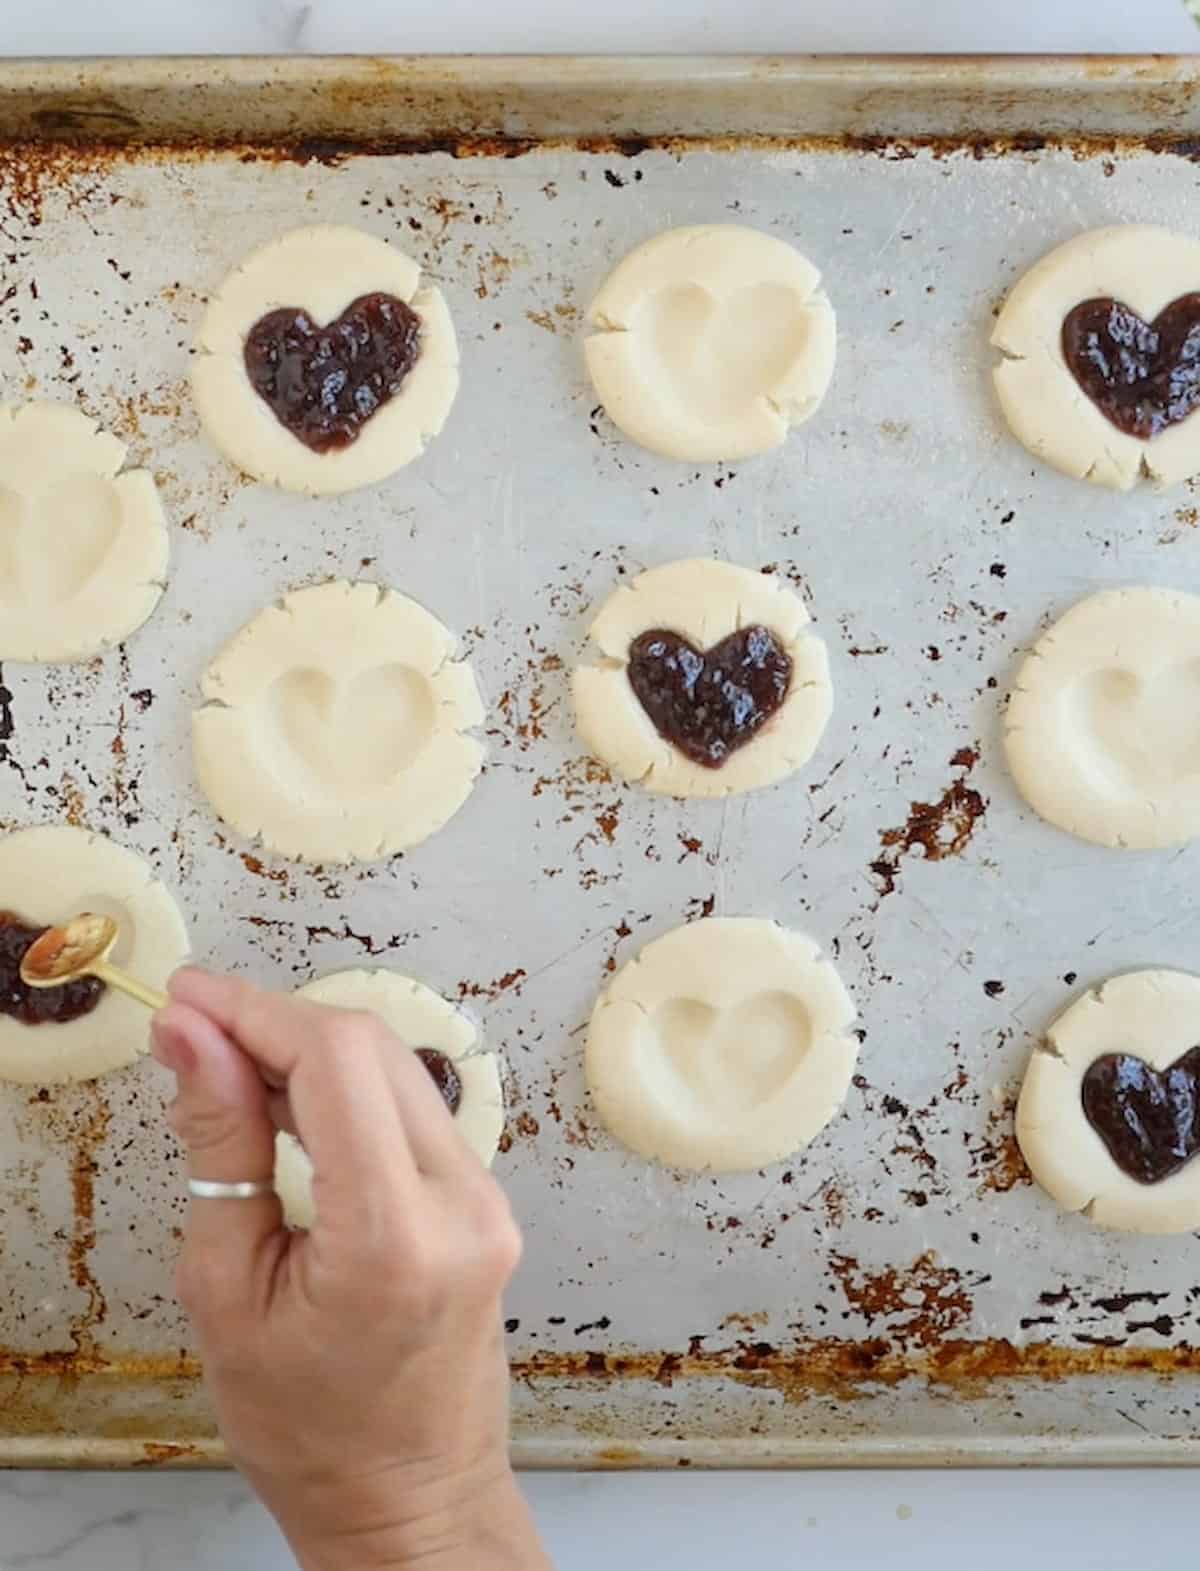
333, 151
523, 1127
919, 1305
938, 829
130, 1368
31, 168
841, 1367
255, 865
7, 722
492, 990
844, 1368
124, 786
152, 1403
158, 1453
90, 1135
76, 1120
997, 1165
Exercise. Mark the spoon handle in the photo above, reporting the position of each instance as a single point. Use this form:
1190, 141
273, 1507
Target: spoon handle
114, 977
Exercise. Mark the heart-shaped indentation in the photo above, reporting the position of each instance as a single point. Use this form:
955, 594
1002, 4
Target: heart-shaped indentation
357, 734
717, 356
1143, 376
54, 542
1138, 728
1148, 1119
324, 383
733, 1060
708, 705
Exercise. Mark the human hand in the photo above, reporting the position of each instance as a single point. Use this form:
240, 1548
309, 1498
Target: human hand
358, 1370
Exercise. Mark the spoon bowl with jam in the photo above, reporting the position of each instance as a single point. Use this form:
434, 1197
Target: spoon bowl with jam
80, 948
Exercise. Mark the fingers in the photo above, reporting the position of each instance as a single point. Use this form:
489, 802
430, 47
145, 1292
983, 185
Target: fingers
435, 1141
278, 1033
271, 1028
348, 1122
221, 1116
343, 1104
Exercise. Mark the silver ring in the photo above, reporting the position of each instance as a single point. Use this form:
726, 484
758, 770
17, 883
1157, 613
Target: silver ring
207, 1189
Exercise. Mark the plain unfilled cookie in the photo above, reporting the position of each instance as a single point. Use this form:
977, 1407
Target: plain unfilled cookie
706, 602
1103, 727
724, 1046
335, 725
710, 343
83, 548
54, 872
1148, 1016
1143, 268
418, 1017
321, 271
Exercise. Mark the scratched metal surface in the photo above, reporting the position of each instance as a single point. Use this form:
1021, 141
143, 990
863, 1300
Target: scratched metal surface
898, 1292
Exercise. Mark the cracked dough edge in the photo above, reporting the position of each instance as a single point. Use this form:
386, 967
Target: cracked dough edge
126, 587
711, 962
1094, 635
704, 601
262, 805
720, 258
1151, 1014
320, 269
1047, 411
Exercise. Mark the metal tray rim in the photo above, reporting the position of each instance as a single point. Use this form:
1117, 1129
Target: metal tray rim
869, 86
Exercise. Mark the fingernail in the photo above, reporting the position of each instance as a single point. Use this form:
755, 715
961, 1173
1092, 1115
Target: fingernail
172, 1050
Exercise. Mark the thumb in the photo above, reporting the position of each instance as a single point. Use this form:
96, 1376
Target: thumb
222, 1116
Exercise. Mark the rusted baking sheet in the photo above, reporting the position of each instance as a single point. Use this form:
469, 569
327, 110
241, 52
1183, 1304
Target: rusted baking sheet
901, 1292
835, 1403
463, 104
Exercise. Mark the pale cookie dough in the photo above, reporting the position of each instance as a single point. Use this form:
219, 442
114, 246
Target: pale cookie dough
83, 549
704, 601
1142, 267
334, 727
1149, 1015
723, 1047
419, 1018
321, 270
711, 343
55, 872
1103, 727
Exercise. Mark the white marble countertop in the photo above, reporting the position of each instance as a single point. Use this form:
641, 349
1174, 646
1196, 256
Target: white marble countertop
840, 1522
640, 1522
454, 26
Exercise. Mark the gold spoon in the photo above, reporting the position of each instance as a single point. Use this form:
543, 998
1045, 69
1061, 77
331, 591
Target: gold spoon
80, 948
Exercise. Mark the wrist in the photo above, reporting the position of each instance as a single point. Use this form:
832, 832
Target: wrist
392, 1523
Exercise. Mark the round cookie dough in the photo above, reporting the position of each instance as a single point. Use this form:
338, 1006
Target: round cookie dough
83, 549
54, 872
723, 1047
334, 725
321, 271
1147, 1015
1101, 730
704, 602
419, 1018
1143, 268
711, 343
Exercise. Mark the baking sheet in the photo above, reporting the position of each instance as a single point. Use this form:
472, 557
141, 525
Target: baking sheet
900, 1292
